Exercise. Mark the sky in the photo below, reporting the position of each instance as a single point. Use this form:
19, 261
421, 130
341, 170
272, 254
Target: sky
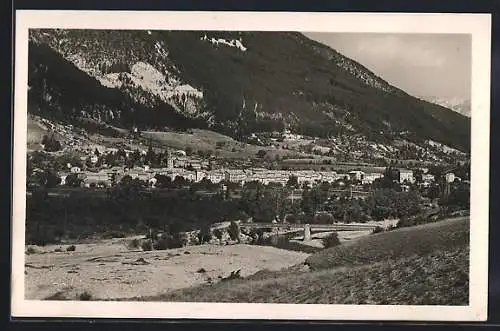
436, 65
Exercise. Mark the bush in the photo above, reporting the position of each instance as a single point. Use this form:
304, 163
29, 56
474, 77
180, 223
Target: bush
218, 234
41, 238
204, 235
331, 240
169, 242
85, 296
133, 244
31, 250
71, 248
146, 245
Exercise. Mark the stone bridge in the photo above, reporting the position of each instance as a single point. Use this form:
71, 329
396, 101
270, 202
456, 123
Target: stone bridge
307, 228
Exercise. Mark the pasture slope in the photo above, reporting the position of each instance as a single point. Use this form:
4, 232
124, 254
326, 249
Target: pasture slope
421, 265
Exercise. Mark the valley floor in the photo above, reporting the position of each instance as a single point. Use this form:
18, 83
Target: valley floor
420, 265
109, 270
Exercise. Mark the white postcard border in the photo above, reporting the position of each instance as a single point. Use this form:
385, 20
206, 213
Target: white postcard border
478, 25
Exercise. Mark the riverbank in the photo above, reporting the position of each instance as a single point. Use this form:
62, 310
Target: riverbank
108, 269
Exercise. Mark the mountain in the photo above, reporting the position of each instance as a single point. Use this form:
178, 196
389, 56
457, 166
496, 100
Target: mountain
235, 83
459, 105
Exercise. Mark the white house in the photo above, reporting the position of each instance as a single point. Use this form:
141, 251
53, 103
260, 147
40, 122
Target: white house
427, 178
75, 170
404, 175
215, 176
356, 175
235, 175
450, 177
371, 177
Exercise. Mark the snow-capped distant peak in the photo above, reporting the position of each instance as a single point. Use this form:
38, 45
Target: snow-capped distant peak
459, 105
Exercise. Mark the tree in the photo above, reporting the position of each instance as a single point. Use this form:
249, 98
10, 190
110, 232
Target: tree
51, 144
434, 192
204, 235
292, 181
261, 153
73, 180
52, 179
331, 240
234, 231
163, 181
218, 234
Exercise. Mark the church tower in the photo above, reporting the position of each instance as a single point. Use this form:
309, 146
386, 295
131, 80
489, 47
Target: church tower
170, 160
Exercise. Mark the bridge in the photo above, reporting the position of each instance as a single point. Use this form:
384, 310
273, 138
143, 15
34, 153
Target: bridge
307, 228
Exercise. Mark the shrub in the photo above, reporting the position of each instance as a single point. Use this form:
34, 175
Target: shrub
133, 244
85, 296
42, 238
31, 250
146, 245
71, 248
169, 242
218, 234
331, 240
204, 235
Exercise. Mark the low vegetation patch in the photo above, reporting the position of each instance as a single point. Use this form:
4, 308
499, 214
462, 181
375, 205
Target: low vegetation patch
134, 244
85, 296
31, 250
331, 240
146, 245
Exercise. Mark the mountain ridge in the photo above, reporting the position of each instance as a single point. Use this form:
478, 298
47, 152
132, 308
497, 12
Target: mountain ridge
232, 82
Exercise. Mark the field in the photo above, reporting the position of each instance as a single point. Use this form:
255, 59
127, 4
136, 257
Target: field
204, 140
424, 265
35, 132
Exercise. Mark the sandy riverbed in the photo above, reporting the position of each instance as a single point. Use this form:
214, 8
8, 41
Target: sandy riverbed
110, 270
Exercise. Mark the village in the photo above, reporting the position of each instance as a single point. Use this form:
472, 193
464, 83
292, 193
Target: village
94, 165
195, 170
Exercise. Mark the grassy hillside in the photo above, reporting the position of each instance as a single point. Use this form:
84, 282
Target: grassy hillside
401, 243
439, 278
35, 132
424, 265
217, 144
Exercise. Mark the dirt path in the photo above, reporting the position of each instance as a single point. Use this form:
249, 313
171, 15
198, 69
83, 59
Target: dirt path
110, 270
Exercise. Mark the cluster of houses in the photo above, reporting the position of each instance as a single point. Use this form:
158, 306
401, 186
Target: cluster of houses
105, 177
180, 165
